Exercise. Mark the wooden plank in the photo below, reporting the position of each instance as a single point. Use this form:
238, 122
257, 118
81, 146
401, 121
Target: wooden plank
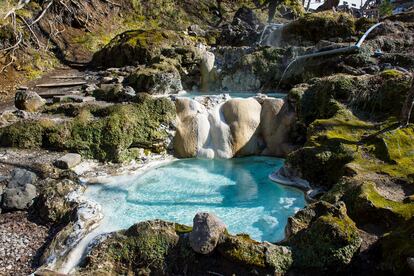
65, 77
61, 84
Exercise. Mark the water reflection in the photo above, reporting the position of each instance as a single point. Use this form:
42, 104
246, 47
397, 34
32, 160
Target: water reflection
238, 191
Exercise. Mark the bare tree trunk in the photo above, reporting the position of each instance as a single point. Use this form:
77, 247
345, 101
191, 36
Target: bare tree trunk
408, 106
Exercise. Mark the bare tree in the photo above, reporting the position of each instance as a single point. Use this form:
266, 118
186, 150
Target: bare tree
408, 106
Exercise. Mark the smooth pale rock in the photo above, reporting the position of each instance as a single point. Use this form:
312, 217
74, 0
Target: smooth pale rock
28, 100
19, 198
186, 140
277, 120
206, 68
207, 232
243, 118
68, 161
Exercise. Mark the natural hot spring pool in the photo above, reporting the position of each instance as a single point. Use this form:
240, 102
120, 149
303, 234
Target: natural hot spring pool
238, 191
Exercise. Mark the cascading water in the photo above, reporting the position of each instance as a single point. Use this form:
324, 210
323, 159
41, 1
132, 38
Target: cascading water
271, 35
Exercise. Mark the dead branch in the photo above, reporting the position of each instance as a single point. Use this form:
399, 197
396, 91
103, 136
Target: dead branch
42, 13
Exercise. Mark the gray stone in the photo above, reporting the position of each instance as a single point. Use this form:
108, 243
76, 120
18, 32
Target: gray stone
208, 231
21, 177
196, 30
19, 198
68, 161
28, 100
89, 88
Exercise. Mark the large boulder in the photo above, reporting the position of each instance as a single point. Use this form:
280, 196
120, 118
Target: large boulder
20, 191
28, 100
243, 118
243, 31
142, 249
277, 120
161, 78
207, 232
19, 198
318, 26
322, 236
186, 138
140, 47
21, 177
241, 249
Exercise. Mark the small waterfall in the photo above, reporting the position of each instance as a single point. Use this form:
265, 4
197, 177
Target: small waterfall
410, 110
271, 31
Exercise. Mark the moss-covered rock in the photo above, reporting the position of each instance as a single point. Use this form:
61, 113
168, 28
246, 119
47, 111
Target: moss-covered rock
160, 78
242, 69
396, 247
382, 95
322, 25
163, 248
107, 136
51, 205
322, 236
367, 206
241, 249
140, 47
142, 249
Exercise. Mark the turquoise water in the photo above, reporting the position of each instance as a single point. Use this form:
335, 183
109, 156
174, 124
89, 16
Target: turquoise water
238, 191
192, 95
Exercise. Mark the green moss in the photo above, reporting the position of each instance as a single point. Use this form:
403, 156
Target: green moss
51, 205
140, 46
368, 206
391, 153
243, 249
182, 229
396, 247
26, 135
106, 137
143, 248
321, 25
328, 238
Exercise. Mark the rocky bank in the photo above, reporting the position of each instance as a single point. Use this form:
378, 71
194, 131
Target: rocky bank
344, 126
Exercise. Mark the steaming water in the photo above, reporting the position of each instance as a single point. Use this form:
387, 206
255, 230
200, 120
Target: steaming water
238, 191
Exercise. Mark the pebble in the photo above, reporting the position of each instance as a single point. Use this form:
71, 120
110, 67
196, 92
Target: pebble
20, 241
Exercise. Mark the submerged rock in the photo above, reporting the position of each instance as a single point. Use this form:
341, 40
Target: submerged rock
207, 232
